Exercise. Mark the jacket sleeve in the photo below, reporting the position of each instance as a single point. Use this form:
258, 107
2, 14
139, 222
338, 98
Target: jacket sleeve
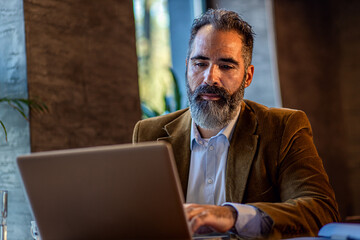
307, 199
135, 137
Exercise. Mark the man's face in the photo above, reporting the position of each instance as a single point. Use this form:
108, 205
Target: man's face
216, 77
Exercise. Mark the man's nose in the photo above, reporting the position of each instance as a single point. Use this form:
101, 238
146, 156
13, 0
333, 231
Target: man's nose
211, 76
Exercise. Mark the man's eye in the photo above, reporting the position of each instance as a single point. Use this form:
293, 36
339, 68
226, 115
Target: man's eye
200, 64
226, 67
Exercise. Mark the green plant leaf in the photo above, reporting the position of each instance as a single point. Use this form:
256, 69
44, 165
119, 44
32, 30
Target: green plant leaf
4, 128
19, 103
35, 104
177, 94
148, 112
18, 109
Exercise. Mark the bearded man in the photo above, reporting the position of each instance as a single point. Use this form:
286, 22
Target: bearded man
243, 167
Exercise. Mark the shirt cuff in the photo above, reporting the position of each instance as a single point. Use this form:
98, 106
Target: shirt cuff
251, 222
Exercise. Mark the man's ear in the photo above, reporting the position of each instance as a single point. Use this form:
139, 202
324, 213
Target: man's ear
249, 75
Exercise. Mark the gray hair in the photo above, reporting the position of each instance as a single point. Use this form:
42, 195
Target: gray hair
225, 20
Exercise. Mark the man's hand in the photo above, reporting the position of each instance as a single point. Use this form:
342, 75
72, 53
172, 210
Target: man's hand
218, 218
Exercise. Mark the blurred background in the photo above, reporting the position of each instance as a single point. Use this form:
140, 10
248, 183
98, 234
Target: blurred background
100, 66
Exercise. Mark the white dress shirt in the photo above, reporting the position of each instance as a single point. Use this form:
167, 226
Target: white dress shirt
206, 183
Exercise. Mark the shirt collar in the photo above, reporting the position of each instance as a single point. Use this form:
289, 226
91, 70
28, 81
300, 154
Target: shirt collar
227, 131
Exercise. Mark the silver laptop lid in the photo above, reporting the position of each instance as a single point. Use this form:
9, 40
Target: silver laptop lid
111, 192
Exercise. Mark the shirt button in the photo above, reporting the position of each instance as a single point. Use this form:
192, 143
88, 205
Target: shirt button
210, 181
201, 142
211, 148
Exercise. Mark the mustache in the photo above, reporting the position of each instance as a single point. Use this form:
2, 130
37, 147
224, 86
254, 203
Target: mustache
207, 89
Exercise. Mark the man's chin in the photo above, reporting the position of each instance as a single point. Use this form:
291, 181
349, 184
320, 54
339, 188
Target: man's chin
208, 117
210, 124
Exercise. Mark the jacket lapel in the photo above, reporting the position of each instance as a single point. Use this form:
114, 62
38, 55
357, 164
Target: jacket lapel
179, 137
241, 153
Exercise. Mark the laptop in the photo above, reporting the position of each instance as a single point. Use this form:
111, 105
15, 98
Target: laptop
128, 191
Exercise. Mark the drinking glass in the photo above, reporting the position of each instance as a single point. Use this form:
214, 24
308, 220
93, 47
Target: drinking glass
35, 231
4, 210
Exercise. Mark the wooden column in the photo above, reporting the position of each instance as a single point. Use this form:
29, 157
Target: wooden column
81, 61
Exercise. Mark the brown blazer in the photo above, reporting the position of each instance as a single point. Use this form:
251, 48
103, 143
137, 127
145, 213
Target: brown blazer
272, 164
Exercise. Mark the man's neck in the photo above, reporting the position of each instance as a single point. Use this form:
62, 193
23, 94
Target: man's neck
208, 133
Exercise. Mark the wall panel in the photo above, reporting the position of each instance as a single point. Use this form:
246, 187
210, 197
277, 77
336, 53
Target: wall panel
82, 63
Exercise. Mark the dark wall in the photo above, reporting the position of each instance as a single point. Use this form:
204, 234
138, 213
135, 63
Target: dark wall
81, 61
318, 57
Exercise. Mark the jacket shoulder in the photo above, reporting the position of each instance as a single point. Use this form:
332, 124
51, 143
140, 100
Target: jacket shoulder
262, 109
277, 116
151, 129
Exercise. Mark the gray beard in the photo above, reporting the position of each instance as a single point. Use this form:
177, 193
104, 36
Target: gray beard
214, 114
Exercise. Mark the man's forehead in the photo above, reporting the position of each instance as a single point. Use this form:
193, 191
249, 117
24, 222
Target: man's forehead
210, 42
210, 30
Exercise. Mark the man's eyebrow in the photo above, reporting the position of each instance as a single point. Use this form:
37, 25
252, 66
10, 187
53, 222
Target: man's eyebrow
229, 60
199, 57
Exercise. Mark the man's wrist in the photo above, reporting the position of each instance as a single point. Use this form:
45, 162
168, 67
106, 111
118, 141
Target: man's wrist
233, 212
248, 222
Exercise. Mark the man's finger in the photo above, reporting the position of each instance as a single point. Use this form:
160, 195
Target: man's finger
195, 211
198, 220
190, 205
